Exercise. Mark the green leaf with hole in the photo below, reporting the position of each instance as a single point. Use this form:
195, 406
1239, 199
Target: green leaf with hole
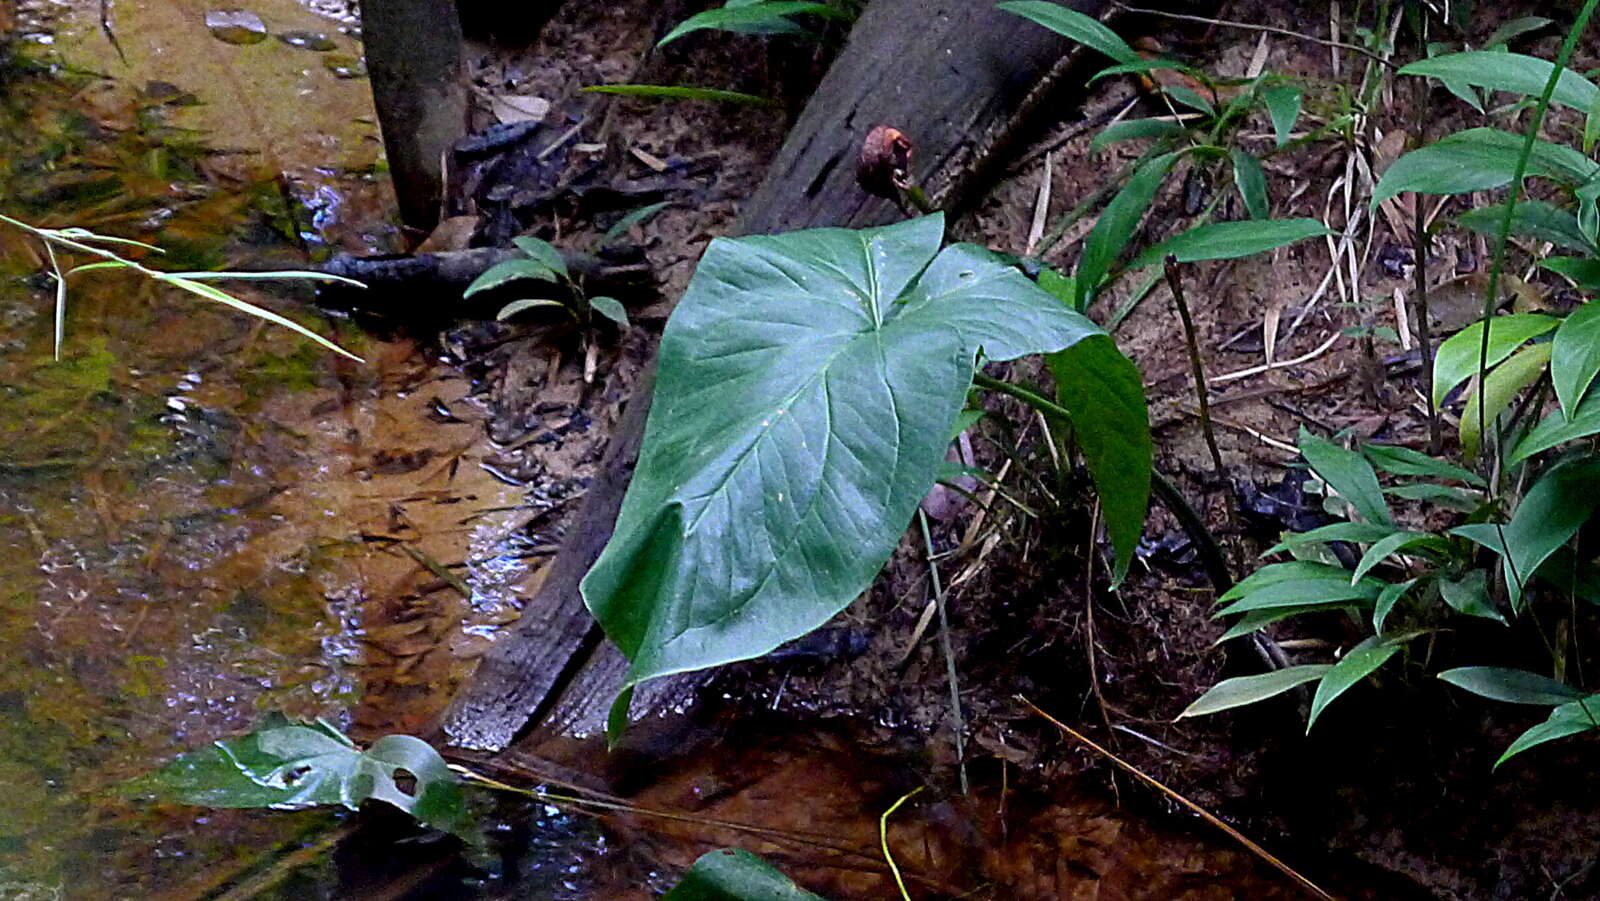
732, 874
1513, 686
1556, 429
1552, 511
1231, 240
1251, 181
1086, 30
1357, 664
1283, 107
510, 271
1531, 219
1570, 718
1500, 387
1457, 357
1479, 159
1117, 223
1135, 130
1575, 357
1349, 474
1237, 692
1513, 73
806, 389
289, 765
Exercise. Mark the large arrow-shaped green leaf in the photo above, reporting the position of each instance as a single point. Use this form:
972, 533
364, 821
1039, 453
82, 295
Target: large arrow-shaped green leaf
806, 389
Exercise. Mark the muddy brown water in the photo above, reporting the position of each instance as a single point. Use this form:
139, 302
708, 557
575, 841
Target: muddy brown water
203, 519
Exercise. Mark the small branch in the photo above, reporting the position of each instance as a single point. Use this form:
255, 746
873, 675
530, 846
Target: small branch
1250, 26
958, 724
1175, 282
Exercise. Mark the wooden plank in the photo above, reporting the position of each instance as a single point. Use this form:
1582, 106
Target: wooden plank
963, 83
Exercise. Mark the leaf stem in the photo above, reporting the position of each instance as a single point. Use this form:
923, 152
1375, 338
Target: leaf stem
1175, 282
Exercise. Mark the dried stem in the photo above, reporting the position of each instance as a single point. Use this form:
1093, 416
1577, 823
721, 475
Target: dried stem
1175, 282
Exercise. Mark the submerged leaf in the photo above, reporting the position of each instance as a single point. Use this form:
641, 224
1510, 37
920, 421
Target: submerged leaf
732, 874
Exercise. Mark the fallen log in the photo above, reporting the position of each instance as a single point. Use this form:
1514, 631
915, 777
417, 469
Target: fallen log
964, 82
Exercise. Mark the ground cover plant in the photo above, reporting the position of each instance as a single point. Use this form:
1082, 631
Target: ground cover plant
1520, 552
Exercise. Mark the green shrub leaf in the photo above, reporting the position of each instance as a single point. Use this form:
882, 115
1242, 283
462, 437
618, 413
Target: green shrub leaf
1318, 592
1394, 544
1348, 473
1359, 532
1237, 692
1387, 598
1403, 461
1283, 106
1557, 428
1457, 357
1478, 159
542, 252
1568, 719
1470, 595
1084, 29
733, 874
1352, 668
769, 17
1111, 423
508, 272
1500, 386
1576, 358
1231, 240
1292, 571
806, 390
1532, 219
1117, 223
1135, 130
1552, 511
1513, 73
1513, 686
611, 308
1251, 182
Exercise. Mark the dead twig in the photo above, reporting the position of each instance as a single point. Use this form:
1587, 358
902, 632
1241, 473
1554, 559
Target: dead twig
1175, 282
1251, 26
1199, 811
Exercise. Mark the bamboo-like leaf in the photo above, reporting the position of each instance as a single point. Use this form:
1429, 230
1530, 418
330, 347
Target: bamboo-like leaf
1231, 240
1557, 428
683, 92
1470, 595
1237, 692
1479, 159
1117, 223
505, 273
226, 299
769, 17
1070, 23
1552, 511
1403, 461
1135, 130
1575, 357
542, 252
1283, 107
1513, 73
1251, 181
1356, 665
1348, 473
1582, 715
1513, 686
1457, 357
1501, 385
1532, 219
